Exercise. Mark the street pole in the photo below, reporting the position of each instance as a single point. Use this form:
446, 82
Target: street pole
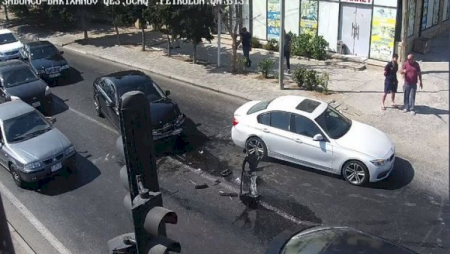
219, 34
404, 30
281, 46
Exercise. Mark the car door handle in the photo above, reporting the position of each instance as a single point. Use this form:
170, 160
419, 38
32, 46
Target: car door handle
266, 130
298, 140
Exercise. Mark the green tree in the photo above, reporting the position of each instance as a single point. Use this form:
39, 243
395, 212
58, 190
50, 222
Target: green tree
120, 16
232, 18
139, 12
165, 19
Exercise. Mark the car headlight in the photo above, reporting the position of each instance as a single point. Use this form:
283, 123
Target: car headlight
379, 162
40, 72
14, 98
180, 119
65, 67
47, 90
69, 150
32, 166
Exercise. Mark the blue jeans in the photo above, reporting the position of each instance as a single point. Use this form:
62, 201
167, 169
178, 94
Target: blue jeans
409, 99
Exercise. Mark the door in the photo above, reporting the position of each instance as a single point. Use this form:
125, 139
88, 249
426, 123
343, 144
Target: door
106, 96
3, 153
355, 28
276, 133
316, 154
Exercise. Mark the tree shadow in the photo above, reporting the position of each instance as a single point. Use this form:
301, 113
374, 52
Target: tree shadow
426, 110
85, 172
57, 106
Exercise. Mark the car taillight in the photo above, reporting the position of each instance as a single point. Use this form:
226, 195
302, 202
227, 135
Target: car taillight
235, 122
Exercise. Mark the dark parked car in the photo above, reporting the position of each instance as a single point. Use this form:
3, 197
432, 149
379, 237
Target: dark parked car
166, 118
45, 60
17, 81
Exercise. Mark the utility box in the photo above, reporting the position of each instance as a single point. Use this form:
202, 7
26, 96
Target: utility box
421, 45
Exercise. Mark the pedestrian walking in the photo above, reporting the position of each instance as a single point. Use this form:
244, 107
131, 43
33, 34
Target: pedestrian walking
287, 50
412, 74
390, 82
246, 39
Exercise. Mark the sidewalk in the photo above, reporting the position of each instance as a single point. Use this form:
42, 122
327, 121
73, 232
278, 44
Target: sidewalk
20, 245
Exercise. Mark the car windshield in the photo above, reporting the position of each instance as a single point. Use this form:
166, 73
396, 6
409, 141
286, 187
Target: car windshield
43, 52
7, 38
25, 127
17, 76
334, 123
151, 90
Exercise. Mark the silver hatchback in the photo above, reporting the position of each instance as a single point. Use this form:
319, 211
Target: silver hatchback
31, 149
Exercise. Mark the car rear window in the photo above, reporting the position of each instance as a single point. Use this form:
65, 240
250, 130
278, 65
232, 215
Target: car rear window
259, 106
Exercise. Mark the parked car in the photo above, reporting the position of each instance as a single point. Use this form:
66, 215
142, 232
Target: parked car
45, 60
330, 240
17, 81
314, 134
31, 149
166, 117
9, 45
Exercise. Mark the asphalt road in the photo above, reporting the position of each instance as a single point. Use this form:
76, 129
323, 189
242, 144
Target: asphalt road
84, 210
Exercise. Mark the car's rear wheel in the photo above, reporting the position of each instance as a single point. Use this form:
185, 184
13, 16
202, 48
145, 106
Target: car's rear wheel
255, 146
16, 176
97, 106
356, 173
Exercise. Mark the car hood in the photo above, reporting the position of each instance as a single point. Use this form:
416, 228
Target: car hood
41, 147
165, 111
367, 140
11, 46
35, 88
51, 61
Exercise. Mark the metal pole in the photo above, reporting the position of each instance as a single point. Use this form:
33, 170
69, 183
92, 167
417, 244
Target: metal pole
404, 29
281, 47
219, 34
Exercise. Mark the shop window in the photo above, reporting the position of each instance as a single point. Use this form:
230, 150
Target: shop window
309, 11
273, 19
430, 13
411, 17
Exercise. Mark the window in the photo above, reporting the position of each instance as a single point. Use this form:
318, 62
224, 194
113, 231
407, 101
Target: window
150, 89
308, 105
43, 52
430, 13
411, 17
7, 38
304, 126
334, 123
280, 120
264, 119
25, 127
108, 89
18, 76
259, 106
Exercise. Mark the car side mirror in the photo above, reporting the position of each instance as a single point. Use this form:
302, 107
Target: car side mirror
167, 92
318, 137
61, 52
52, 120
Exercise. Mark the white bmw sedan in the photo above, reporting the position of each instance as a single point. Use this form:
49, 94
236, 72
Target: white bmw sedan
312, 133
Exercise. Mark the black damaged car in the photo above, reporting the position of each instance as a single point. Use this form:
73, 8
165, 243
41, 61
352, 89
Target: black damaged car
45, 60
166, 116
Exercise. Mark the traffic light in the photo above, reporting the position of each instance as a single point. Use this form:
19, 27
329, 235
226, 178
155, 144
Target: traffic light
139, 176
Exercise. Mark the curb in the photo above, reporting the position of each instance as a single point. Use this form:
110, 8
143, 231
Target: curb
17, 238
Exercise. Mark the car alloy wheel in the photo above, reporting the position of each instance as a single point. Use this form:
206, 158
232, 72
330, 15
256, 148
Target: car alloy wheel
16, 176
97, 106
257, 147
356, 173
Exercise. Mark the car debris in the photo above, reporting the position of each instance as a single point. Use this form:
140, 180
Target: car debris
228, 194
199, 186
226, 173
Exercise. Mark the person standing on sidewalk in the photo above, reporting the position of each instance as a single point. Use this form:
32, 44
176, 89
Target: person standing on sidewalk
287, 50
412, 74
391, 82
246, 39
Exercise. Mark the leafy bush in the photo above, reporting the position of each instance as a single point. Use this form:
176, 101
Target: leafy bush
256, 43
272, 45
323, 82
265, 66
309, 46
241, 64
311, 80
318, 45
299, 75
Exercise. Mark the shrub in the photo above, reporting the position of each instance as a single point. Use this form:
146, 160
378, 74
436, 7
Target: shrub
265, 66
241, 64
323, 80
272, 45
309, 46
256, 43
299, 75
311, 80
318, 45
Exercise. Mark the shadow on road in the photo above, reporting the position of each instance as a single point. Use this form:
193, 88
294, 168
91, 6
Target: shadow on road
58, 106
84, 173
73, 77
401, 176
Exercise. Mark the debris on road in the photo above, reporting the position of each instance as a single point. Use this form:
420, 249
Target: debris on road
228, 194
226, 172
199, 186
216, 182
200, 152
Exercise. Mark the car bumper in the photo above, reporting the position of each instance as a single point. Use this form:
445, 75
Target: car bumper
9, 57
172, 132
378, 173
55, 76
238, 137
47, 170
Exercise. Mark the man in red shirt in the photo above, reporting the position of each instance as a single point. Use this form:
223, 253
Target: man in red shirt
412, 73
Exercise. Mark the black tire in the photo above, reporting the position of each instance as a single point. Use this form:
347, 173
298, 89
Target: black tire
252, 143
16, 176
353, 171
98, 109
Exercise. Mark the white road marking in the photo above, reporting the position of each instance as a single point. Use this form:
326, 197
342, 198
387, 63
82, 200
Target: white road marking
204, 175
34, 221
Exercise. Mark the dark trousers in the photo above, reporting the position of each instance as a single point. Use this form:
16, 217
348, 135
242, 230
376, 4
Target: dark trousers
246, 51
409, 99
287, 54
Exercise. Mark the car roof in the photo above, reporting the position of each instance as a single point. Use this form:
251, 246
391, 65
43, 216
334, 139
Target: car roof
13, 109
127, 77
5, 31
39, 43
299, 105
12, 64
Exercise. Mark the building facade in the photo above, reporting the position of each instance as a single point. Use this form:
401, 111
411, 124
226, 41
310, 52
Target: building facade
366, 28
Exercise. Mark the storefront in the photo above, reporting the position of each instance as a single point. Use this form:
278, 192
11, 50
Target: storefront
367, 28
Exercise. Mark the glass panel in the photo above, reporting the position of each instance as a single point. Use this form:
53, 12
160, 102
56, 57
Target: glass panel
411, 17
308, 16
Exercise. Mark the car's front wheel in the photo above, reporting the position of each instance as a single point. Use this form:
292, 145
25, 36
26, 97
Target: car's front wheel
16, 176
97, 106
356, 173
255, 146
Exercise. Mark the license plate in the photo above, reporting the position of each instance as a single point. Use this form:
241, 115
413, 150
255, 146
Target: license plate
56, 167
36, 104
54, 75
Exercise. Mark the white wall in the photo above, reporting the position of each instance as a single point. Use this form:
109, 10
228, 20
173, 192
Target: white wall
259, 19
390, 3
292, 16
329, 23
246, 14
